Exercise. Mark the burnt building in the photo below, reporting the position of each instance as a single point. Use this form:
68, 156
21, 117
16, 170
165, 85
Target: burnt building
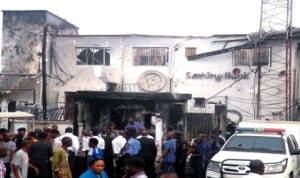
188, 83
87, 80
21, 62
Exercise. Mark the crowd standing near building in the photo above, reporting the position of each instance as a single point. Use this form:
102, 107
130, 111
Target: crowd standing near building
103, 152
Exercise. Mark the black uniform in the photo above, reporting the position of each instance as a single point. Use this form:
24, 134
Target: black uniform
148, 153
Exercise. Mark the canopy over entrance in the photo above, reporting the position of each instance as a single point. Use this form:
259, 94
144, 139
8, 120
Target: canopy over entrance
17, 115
17, 119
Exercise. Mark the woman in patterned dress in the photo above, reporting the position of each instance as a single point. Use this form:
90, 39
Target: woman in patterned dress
60, 164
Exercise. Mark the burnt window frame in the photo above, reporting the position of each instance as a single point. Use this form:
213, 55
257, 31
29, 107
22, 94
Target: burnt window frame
90, 56
249, 56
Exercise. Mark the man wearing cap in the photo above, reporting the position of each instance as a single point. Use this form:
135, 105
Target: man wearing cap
134, 168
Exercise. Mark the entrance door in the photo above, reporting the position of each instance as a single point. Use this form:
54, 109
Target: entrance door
117, 116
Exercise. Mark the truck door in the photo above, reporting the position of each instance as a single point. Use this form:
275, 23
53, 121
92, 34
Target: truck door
293, 145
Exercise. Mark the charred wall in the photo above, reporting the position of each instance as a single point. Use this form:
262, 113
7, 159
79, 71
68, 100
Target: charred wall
21, 53
22, 42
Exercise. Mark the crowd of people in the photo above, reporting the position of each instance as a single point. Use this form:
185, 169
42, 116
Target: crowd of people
105, 152
202, 148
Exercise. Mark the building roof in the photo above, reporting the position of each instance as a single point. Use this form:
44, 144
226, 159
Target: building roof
45, 12
221, 51
249, 42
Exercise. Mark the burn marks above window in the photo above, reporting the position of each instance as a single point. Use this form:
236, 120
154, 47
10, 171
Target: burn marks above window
151, 56
93, 56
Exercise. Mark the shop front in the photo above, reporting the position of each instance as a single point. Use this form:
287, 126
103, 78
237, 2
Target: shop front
97, 109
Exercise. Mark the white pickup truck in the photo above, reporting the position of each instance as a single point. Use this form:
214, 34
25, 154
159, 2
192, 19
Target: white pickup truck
275, 143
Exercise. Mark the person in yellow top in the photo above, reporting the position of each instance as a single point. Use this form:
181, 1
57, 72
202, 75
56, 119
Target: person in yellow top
60, 164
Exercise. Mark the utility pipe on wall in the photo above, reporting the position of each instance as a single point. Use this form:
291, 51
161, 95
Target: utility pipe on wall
44, 72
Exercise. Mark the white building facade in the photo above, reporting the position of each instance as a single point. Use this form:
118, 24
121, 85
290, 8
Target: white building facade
182, 82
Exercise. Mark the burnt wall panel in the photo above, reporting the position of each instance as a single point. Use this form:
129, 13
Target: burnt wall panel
22, 41
22, 48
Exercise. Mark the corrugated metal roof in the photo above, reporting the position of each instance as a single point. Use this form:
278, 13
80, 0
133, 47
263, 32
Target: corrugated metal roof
252, 39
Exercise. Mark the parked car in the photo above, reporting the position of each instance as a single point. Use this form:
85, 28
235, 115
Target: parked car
274, 143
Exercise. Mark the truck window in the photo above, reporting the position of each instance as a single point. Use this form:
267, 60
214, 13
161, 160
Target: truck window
292, 143
255, 144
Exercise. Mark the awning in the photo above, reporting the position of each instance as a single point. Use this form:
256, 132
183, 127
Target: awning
17, 114
141, 96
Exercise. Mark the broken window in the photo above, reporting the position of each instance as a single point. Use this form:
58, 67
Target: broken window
151, 56
93, 56
190, 51
252, 56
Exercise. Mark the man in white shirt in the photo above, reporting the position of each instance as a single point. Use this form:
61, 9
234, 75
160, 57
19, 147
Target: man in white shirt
101, 141
117, 144
20, 162
72, 150
75, 140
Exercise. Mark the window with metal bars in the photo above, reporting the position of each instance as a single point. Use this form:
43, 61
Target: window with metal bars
93, 56
151, 56
252, 56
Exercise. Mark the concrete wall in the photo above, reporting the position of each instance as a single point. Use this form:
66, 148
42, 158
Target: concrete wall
209, 77
177, 69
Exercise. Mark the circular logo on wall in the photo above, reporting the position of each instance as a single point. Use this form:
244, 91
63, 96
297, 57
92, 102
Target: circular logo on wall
152, 81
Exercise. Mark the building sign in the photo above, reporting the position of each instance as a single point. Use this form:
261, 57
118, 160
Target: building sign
234, 75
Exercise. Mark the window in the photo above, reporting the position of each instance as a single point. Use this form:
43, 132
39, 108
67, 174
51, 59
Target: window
292, 143
250, 57
255, 144
190, 51
151, 56
93, 56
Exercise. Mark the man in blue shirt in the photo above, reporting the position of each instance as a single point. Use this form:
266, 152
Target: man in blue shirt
131, 148
204, 151
168, 154
134, 124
